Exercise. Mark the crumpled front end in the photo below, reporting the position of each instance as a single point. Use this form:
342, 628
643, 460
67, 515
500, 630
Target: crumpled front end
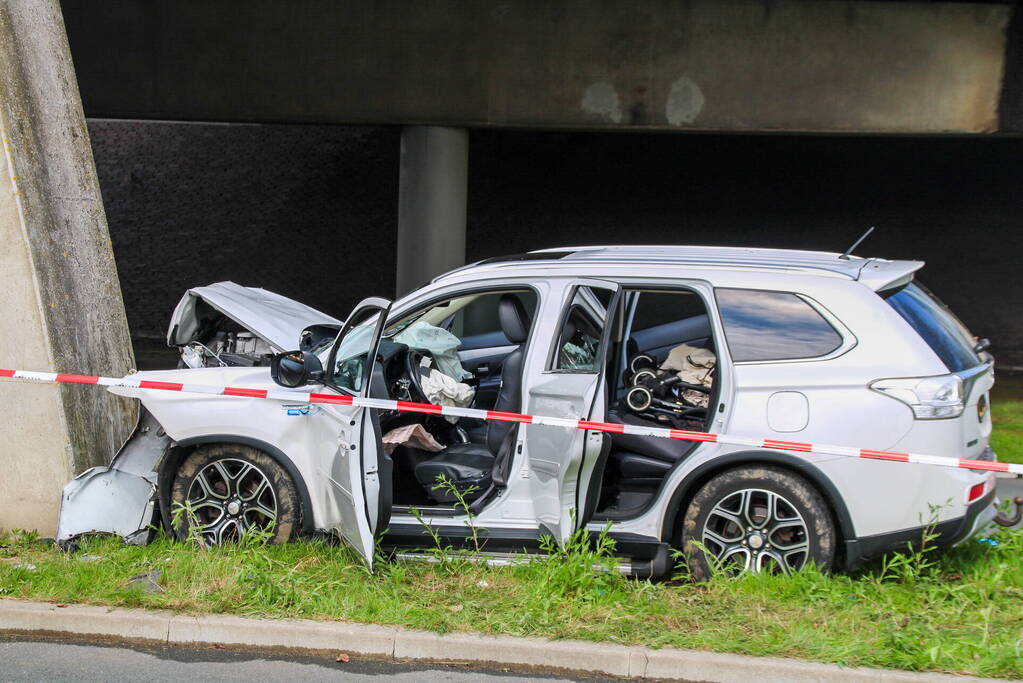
120, 499
228, 325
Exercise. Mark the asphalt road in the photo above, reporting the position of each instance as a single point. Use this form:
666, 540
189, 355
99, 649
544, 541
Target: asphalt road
24, 658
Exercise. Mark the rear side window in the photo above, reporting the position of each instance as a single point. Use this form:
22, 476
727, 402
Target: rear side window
761, 326
936, 325
664, 308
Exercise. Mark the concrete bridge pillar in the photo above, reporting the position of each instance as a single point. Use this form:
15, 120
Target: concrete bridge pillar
60, 299
432, 192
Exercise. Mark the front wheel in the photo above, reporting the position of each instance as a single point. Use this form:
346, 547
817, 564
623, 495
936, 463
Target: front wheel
757, 519
223, 491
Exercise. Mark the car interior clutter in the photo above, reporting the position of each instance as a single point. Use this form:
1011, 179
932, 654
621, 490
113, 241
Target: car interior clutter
469, 351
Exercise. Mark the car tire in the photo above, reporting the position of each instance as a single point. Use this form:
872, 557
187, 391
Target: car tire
757, 519
230, 488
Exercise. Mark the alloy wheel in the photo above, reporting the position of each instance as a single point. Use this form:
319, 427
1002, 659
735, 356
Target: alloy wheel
756, 531
228, 497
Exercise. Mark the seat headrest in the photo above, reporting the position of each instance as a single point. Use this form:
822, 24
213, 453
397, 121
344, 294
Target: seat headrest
514, 319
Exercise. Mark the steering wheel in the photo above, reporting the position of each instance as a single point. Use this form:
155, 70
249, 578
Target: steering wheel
413, 359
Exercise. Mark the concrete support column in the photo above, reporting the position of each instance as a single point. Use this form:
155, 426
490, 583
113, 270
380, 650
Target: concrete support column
431, 203
60, 300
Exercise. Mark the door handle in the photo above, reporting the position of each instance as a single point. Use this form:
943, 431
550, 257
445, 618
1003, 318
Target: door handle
482, 369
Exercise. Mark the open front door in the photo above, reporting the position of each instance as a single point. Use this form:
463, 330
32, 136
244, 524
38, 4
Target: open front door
351, 477
572, 386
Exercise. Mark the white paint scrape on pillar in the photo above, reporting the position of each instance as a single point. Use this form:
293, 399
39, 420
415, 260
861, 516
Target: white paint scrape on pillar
60, 300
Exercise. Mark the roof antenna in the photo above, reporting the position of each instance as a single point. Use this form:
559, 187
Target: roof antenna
857, 243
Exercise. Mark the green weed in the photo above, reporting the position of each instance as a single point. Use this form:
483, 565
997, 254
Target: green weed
957, 610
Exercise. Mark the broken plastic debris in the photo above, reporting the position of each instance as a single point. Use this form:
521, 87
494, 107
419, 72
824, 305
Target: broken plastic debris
148, 582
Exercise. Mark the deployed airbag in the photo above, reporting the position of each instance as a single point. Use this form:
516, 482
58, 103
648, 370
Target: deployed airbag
439, 343
443, 390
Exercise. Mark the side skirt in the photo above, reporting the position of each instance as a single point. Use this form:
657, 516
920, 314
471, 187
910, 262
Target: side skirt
639, 556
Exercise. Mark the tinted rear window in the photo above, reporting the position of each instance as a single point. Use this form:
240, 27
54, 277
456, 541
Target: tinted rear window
661, 308
762, 326
936, 325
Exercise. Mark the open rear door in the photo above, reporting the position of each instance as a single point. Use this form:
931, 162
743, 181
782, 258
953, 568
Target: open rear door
572, 386
351, 477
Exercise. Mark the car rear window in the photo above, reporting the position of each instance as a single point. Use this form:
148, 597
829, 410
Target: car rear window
762, 326
936, 325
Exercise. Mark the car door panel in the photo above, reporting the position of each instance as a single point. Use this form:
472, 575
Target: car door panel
352, 479
558, 456
485, 364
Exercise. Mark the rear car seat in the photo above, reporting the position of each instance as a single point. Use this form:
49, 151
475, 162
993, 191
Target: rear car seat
643, 460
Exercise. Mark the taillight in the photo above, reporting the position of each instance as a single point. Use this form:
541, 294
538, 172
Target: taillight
931, 398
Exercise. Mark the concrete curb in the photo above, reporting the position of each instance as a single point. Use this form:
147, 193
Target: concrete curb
398, 643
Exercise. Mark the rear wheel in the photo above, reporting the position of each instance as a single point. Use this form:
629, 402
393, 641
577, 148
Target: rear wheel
757, 519
227, 490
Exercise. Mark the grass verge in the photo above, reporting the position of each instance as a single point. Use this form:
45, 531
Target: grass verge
1007, 417
955, 611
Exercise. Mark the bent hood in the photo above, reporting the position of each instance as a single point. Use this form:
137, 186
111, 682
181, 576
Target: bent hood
276, 319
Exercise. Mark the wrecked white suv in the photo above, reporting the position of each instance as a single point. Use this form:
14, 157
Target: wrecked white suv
787, 345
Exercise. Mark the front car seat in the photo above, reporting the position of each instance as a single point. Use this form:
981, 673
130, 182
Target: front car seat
473, 464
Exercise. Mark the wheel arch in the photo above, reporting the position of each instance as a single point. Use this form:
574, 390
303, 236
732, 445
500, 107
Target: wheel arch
685, 491
169, 466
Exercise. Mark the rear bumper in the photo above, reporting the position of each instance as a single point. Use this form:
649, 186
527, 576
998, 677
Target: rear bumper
978, 516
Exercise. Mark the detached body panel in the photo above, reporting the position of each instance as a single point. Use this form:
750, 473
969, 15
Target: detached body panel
120, 499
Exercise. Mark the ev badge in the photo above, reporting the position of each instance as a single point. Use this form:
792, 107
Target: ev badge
296, 410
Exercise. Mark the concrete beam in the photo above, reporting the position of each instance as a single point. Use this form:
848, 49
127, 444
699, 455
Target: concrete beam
60, 300
432, 191
718, 65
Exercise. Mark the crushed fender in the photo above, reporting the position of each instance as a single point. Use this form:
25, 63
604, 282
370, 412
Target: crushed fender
119, 499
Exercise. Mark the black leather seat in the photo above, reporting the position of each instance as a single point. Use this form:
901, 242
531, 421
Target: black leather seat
644, 458
473, 464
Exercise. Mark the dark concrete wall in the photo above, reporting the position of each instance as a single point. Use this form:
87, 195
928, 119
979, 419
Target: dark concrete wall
310, 211
295, 209
731, 65
953, 202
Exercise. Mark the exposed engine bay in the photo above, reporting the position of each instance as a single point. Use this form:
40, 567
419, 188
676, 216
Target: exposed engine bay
260, 324
226, 349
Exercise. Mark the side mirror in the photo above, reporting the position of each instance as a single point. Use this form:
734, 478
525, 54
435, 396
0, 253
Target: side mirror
296, 368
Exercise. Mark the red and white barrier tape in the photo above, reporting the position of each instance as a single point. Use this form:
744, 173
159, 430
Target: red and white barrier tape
566, 423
